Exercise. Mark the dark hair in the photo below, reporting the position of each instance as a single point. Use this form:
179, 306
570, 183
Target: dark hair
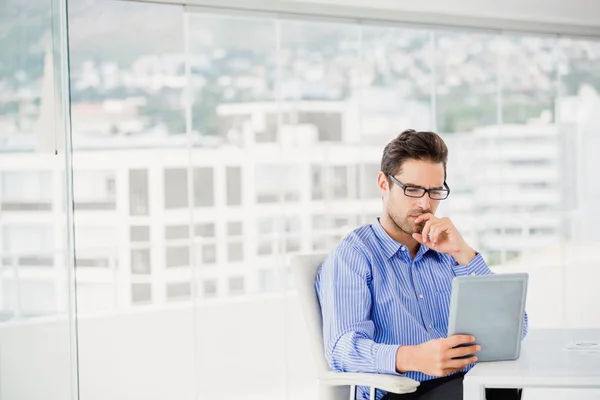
413, 145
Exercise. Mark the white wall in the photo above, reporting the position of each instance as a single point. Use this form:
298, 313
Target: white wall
245, 350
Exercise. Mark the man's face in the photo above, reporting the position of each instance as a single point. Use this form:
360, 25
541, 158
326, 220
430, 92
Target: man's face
403, 210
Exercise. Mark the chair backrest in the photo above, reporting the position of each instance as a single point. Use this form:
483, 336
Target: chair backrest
304, 269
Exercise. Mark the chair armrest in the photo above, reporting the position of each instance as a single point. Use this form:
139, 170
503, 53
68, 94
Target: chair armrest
388, 383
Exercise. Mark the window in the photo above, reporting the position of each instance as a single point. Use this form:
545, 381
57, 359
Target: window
234, 228
234, 186
138, 192
203, 187
25, 191
140, 261
266, 280
340, 182
266, 226
141, 293
266, 247
292, 245
235, 251
177, 256
206, 230
179, 290
175, 187
177, 232
208, 253
543, 231
286, 140
209, 288
139, 233
276, 183
236, 285
95, 190
317, 182
27, 245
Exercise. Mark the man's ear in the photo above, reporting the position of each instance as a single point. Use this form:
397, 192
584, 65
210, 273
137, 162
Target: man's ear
382, 183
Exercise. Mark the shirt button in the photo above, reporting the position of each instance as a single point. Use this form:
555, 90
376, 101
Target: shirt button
430, 326
473, 274
402, 248
420, 296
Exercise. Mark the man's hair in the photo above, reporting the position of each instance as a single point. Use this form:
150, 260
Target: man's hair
413, 145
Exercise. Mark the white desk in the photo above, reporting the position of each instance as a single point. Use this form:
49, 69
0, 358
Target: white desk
544, 363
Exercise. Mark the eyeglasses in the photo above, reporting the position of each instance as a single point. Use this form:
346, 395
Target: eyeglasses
418, 192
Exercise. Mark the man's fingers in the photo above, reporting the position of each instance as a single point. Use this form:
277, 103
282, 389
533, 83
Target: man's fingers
423, 217
437, 230
418, 237
456, 340
463, 351
460, 364
425, 231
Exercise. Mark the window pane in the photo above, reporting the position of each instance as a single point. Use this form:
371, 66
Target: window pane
266, 281
276, 183
177, 232
177, 256
25, 190
235, 252
236, 285
27, 245
205, 229
175, 186
208, 254
95, 190
141, 293
180, 290
140, 261
234, 186
139, 233
138, 192
203, 187
209, 288
235, 228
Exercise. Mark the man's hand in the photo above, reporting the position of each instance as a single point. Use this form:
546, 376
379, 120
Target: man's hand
436, 357
441, 235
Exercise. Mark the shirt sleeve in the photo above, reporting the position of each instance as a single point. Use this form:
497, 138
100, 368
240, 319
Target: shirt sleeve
344, 293
478, 266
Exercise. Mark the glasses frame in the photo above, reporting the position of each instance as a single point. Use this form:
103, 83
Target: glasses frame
428, 191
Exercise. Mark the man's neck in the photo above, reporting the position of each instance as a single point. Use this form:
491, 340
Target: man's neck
399, 235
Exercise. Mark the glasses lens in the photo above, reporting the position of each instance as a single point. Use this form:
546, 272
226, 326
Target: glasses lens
414, 191
438, 194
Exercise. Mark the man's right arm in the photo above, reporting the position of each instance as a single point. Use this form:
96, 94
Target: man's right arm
348, 331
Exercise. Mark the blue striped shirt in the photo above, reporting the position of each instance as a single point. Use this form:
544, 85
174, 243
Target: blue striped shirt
374, 298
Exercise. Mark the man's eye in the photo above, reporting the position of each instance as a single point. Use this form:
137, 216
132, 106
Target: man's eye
413, 190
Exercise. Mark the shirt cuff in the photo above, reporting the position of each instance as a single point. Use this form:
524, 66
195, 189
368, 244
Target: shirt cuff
385, 360
477, 266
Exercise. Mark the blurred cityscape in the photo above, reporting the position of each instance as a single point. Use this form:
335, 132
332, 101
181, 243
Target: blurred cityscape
196, 174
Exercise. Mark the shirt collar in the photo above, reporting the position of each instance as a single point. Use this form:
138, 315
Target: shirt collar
389, 247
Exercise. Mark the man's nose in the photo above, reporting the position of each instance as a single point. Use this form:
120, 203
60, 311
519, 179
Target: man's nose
424, 202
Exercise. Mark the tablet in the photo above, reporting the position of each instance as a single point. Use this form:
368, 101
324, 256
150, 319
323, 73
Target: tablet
491, 308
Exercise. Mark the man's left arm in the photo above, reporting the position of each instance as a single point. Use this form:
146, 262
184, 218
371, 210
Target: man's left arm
441, 235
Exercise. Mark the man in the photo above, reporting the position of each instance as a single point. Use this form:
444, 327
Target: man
385, 290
